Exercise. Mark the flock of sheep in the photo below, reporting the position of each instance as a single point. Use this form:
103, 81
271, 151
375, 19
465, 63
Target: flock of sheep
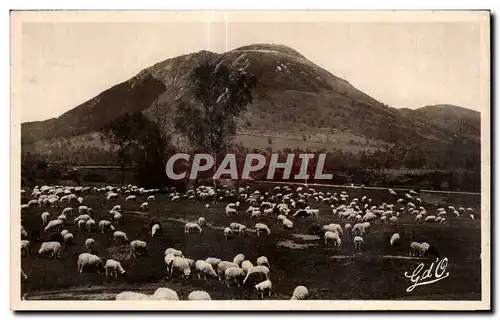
286, 203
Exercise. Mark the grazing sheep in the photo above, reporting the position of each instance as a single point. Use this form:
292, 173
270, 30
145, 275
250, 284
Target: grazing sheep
358, 242
182, 265
430, 219
52, 248
192, 227
418, 249
67, 211
138, 247
329, 235
64, 232
227, 232
395, 239
117, 217
119, 236
23, 232
257, 270
234, 274
150, 198
202, 222
83, 210
238, 259
25, 247
263, 287
300, 293
45, 218
174, 252
241, 230
144, 206
214, 262
90, 225
205, 269
262, 261
154, 229
165, 294
129, 295
281, 218
113, 267
222, 266
199, 295
333, 227
131, 197
394, 220
54, 225
89, 244
246, 265
287, 224
105, 225
117, 208
68, 238
348, 228
262, 228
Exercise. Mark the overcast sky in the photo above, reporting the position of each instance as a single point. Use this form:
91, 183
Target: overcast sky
402, 64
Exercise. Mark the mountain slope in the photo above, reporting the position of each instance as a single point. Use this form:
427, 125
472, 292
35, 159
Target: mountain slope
294, 98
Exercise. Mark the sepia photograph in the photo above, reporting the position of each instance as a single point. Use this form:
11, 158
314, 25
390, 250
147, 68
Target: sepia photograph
224, 159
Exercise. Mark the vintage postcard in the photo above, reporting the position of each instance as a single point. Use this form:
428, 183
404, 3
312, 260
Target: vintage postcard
324, 160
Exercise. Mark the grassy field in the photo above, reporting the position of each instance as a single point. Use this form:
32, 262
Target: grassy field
296, 258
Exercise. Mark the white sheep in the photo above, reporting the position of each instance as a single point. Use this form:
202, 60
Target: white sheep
192, 227
64, 232
150, 198
300, 293
202, 222
113, 267
205, 269
138, 247
182, 265
144, 206
214, 262
165, 294
105, 225
238, 259
329, 235
23, 232
81, 224
116, 208
174, 252
25, 247
45, 217
222, 266
394, 239
83, 209
227, 232
82, 217
54, 225
234, 274
241, 230
199, 295
90, 225
129, 295
154, 229
262, 228
262, 261
263, 287
358, 242
257, 269
68, 238
418, 249
430, 219
246, 265
52, 248
288, 224
89, 244
119, 236
131, 197
86, 260
117, 217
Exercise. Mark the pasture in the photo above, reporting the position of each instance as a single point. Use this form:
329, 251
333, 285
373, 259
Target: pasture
296, 257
